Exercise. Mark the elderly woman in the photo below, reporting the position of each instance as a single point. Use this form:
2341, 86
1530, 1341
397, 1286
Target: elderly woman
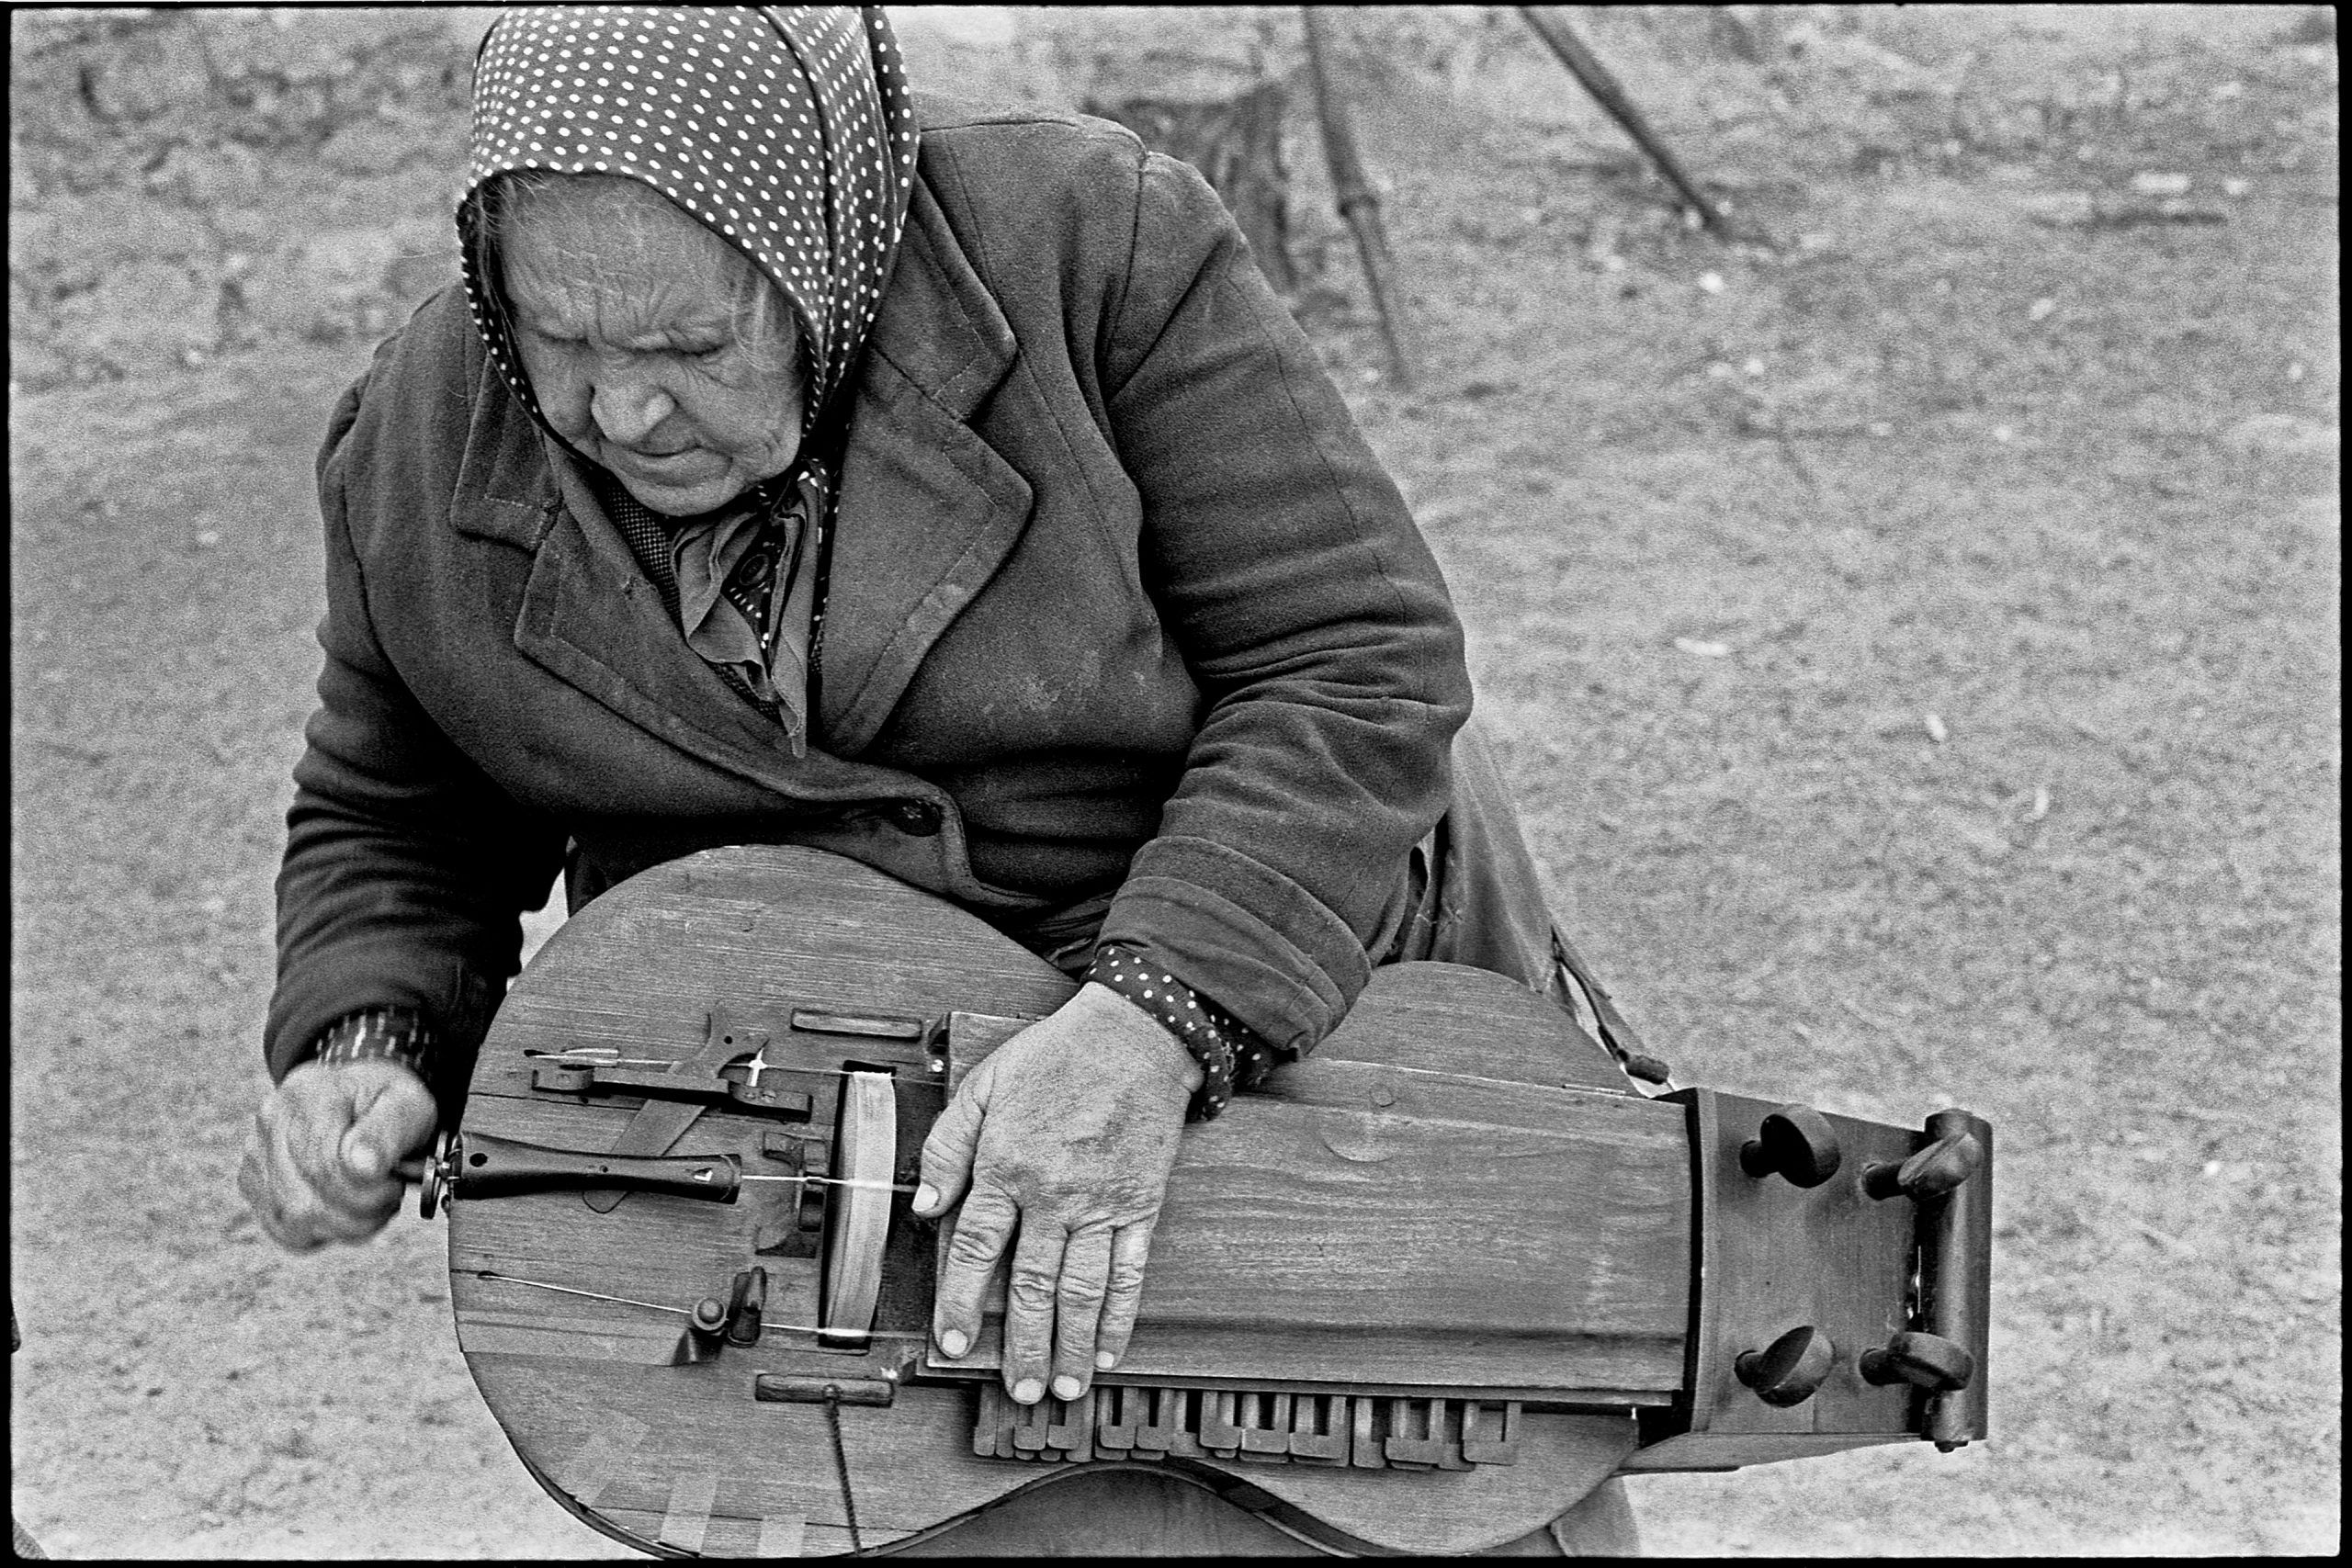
800, 463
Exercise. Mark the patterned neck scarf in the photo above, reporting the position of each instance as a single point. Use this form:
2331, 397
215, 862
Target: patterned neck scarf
734, 581
790, 133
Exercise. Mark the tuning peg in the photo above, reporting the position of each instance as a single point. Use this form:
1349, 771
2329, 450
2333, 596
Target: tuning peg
1932, 1172
706, 1333
1924, 1360
1796, 1142
746, 1301
1790, 1369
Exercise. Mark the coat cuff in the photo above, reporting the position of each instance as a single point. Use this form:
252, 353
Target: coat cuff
335, 982
1268, 951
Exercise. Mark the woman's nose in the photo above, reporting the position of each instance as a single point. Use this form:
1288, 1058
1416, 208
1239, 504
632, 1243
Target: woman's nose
628, 411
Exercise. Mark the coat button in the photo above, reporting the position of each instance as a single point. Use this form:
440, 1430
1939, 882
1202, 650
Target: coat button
920, 817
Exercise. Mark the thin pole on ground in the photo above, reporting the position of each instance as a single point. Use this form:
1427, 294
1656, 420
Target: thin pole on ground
1357, 203
1586, 67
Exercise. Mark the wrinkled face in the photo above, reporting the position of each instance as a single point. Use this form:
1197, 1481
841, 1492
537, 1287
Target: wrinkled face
654, 347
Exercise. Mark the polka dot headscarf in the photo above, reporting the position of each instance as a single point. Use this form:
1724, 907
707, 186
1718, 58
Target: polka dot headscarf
788, 130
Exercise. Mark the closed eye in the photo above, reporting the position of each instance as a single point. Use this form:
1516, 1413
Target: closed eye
700, 353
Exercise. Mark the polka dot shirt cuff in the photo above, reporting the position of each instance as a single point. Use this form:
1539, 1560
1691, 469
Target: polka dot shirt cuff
1231, 1057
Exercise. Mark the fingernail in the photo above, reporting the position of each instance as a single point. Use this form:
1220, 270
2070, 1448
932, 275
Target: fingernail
926, 1196
1065, 1387
955, 1342
1104, 1360
1028, 1390
366, 1160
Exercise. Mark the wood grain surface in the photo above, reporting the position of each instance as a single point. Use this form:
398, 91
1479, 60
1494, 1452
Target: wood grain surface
1456, 1197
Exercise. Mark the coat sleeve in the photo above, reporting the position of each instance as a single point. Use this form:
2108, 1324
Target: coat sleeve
406, 868
1311, 614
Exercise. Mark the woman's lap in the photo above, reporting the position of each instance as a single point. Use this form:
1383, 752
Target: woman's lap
1142, 1513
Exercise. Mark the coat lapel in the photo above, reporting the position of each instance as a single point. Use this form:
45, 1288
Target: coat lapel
928, 511
591, 616
588, 615
592, 619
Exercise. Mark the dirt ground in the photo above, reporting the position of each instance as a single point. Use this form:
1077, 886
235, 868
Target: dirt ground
1915, 644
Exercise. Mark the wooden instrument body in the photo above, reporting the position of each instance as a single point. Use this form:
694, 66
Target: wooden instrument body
1455, 1199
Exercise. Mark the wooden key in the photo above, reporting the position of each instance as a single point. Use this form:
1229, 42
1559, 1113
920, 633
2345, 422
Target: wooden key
1071, 1430
1117, 1414
1265, 1428
1167, 1432
1029, 1425
1318, 1428
992, 1433
1416, 1438
1364, 1452
1220, 1425
1490, 1437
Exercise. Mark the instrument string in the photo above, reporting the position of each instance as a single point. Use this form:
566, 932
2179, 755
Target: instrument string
413, 1170
837, 1181
685, 1311
599, 1055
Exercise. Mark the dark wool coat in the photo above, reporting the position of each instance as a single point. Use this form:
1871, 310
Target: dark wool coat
1120, 609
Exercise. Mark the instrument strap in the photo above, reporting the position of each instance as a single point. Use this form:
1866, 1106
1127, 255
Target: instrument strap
840, 1468
1616, 1034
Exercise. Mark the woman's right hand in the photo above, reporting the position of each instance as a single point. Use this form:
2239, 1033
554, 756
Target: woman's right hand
319, 1159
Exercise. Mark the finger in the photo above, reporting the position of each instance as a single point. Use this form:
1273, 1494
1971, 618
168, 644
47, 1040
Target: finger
947, 1151
1029, 1291
396, 1121
285, 1180
253, 1176
289, 1234
1078, 1308
308, 1118
302, 1224
274, 1229
254, 1186
285, 1200
982, 1232
249, 1161
1130, 1249
303, 1218
315, 1198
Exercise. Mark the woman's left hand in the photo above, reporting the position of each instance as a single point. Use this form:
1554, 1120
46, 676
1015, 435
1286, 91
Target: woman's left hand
1064, 1136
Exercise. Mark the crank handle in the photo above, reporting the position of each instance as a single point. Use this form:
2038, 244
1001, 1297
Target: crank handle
476, 1165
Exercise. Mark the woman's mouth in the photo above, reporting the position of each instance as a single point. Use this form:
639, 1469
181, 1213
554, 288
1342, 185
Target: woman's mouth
660, 462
